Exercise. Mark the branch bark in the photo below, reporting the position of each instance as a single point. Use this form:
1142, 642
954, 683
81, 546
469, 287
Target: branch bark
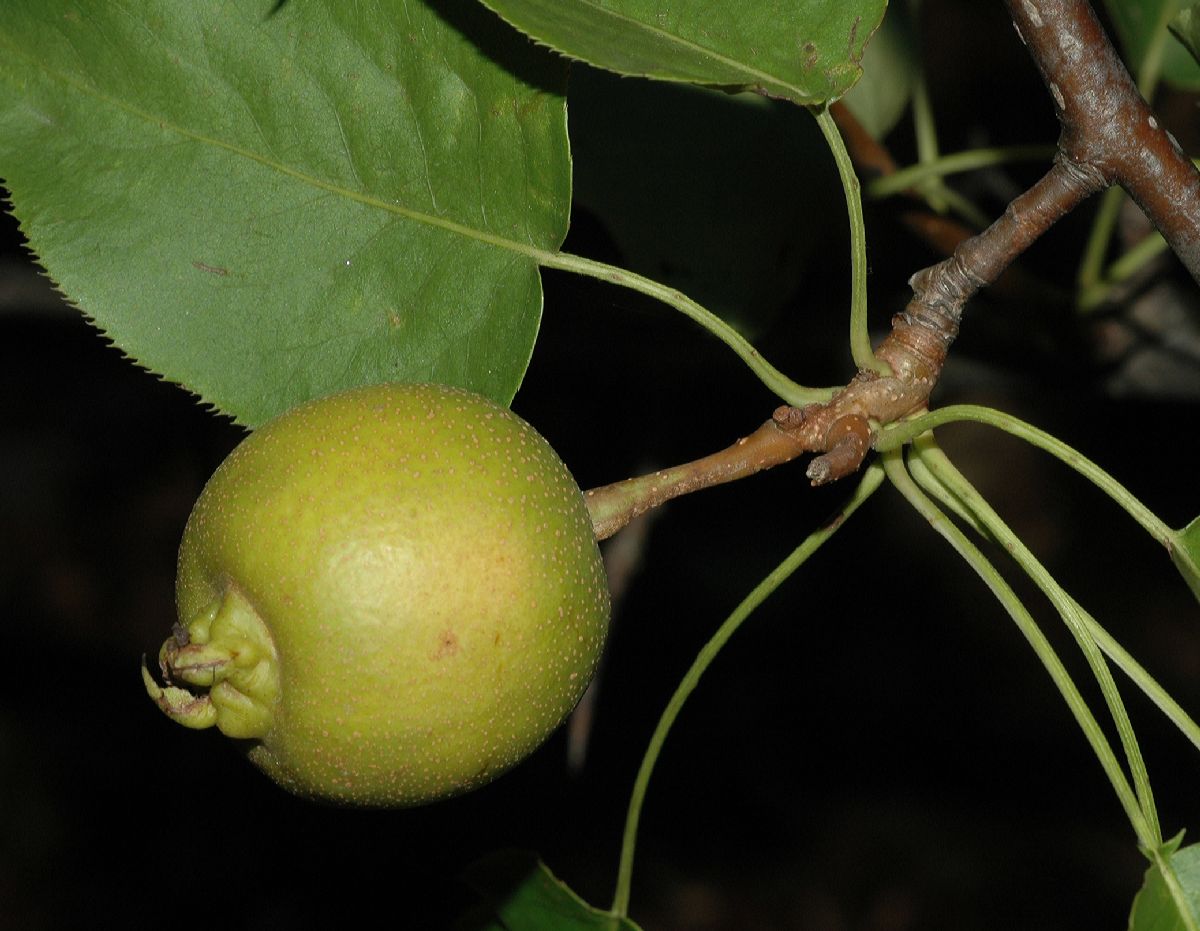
1109, 136
1106, 125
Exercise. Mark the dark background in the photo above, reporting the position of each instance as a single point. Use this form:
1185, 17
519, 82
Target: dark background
876, 749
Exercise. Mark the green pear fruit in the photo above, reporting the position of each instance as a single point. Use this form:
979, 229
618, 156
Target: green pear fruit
388, 596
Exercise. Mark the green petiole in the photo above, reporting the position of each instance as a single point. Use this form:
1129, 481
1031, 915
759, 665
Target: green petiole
871, 480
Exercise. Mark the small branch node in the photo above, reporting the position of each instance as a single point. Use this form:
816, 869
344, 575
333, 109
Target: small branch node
847, 442
944, 288
1083, 176
789, 418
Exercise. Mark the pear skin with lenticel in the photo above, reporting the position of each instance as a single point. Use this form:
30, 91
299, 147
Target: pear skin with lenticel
387, 596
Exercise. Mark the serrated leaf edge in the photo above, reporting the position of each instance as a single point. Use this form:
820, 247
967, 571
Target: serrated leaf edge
769, 85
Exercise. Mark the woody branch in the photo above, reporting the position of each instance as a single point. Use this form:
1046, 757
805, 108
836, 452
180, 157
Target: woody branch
1109, 136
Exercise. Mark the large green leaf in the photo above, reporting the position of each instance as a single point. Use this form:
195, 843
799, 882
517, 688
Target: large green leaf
1139, 23
807, 51
1170, 906
267, 202
521, 894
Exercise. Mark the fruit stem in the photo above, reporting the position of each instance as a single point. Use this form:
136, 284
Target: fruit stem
613, 506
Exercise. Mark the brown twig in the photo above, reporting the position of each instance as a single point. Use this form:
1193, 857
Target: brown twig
1106, 125
613, 506
1108, 136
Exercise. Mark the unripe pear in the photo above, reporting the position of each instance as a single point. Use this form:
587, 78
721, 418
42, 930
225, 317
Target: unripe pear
388, 596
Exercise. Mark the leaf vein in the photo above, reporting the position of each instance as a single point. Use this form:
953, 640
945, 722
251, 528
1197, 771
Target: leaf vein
374, 201
765, 76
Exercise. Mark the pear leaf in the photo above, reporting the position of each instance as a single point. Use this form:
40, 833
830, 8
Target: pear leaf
267, 202
521, 894
805, 51
1170, 903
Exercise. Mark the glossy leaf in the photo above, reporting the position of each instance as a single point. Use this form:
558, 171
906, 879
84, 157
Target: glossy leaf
806, 51
1138, 23
1155, 908
521, 894
267, 202
1185, 552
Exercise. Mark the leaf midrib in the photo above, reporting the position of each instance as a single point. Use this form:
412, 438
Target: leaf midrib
697, 47
71, 81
